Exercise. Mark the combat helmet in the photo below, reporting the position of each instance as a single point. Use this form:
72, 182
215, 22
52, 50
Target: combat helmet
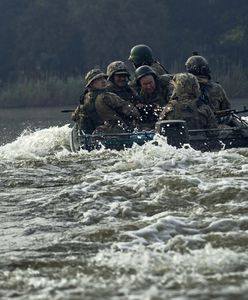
117, 67
185, 84
141, 55
143, 71
92, 75
197, 65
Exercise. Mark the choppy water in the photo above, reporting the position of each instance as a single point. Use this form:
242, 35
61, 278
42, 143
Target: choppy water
150, 222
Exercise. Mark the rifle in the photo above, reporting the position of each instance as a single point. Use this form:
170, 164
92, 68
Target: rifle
222, 113
230, 117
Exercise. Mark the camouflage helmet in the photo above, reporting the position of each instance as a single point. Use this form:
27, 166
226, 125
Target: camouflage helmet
185, 84
141, 55
93, 75
117, 67
143, 71
197, 65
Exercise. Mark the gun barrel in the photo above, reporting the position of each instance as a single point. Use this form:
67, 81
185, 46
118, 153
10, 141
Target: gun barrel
224, 112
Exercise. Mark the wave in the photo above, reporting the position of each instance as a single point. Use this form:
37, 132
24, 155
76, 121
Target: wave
37, 144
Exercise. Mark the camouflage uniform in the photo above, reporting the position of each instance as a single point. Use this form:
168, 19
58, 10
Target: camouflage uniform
151, 105
186, 105
158, 68
103, 111
126, 92
102, 107
212, 92
89, 78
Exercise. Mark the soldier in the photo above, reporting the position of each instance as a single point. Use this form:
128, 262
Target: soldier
211, 92
118, 77
142, 55
186, 105
103, 111
154, 92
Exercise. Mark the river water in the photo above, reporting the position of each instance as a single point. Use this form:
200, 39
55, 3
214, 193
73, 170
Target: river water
151, 222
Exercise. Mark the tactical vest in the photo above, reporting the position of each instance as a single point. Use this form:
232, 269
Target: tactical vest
125, 93
90, 119
155, 102
213, 94
186, 110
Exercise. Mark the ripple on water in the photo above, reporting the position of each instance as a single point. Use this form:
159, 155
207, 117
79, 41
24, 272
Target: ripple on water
134, 224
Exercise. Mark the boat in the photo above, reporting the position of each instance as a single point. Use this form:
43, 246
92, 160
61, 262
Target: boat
235, 135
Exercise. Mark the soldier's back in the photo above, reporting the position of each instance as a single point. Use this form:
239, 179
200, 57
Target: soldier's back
217, 96
196, 114
213, 94
158, 68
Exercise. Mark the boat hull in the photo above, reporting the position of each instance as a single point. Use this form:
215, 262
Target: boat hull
178, 135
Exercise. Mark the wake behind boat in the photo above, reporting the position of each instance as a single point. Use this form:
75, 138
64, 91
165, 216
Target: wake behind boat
233, 136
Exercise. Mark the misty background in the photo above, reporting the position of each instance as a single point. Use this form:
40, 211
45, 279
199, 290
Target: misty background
47, 46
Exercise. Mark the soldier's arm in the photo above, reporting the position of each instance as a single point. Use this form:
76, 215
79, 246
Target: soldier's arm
106, 109
225, 103
76, 114
167, 112
120, 105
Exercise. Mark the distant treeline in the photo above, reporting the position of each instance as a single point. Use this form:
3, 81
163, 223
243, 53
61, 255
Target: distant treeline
65, 38
45, 91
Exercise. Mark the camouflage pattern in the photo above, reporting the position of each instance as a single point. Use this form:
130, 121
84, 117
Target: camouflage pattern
185, 104
102, 107
196, 114
185, 85
158, 68
124, 92
151, 105
213, 94
117, 67
92, 75
197, 65
77, 113
161, 94
127, 93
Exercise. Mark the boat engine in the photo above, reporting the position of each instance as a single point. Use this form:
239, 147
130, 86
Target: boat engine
176, 132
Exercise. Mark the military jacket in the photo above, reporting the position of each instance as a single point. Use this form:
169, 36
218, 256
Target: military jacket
213, 94
158, 68
127, 93
150, 105
101, 106
196, 114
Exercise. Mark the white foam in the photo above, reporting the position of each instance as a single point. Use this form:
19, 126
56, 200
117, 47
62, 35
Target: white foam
192, 265
36, 144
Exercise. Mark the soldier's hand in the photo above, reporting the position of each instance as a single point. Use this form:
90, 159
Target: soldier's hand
74, 117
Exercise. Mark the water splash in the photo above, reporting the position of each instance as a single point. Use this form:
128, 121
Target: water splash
36, 144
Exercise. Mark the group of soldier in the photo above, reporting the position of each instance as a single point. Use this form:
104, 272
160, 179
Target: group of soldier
113, 102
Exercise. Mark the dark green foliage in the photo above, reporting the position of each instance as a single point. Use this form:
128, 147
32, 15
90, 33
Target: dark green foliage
68, 37
46, 91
